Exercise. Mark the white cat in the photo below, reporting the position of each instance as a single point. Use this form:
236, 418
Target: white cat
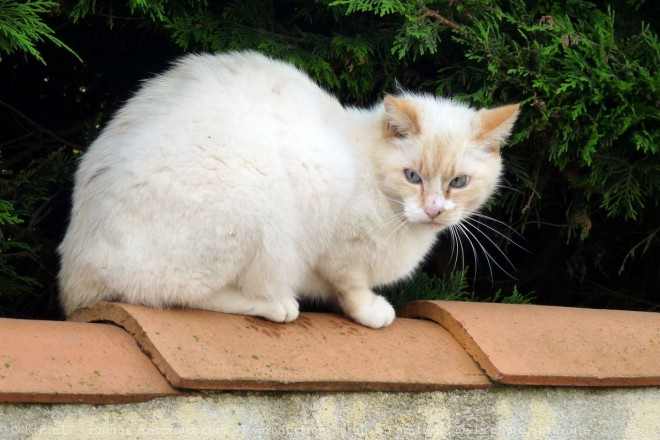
233, 183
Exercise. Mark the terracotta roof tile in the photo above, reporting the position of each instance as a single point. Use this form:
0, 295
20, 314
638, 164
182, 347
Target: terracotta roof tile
46, 361
543, 345
49, 361
197, 349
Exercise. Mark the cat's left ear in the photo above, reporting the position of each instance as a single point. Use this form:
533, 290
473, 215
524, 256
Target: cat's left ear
493, 126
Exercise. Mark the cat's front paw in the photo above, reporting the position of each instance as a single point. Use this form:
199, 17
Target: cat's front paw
374, 313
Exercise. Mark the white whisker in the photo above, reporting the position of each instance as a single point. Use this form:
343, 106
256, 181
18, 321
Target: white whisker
508, 238
395, 200
466, 233
460, 243
461, 228
500, 222
454, 247
489, 257
470, 220
490, 240
396, 226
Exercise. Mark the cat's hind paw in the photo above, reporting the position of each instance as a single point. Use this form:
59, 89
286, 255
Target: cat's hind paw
281, 311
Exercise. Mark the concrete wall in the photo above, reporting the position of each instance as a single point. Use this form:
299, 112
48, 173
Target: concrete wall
499, 413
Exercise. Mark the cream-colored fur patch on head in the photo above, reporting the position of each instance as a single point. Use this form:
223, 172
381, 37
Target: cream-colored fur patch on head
401, 117
451, 147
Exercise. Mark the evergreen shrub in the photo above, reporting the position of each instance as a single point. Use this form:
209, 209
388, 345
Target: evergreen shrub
582, 184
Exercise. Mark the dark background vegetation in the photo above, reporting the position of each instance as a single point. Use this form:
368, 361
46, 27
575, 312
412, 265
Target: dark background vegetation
582, 186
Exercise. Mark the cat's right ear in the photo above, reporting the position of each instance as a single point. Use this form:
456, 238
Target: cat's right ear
401, 118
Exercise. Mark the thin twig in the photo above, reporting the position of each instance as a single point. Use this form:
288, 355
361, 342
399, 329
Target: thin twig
531, 196
428, 12
50, 133
540, 223
600, 290
631, 253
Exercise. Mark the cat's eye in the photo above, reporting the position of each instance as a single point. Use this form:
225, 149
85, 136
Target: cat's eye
412, 176
459, 181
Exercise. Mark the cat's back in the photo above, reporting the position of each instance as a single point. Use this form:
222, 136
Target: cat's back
234, 100
213, 120
226, 85
220, 125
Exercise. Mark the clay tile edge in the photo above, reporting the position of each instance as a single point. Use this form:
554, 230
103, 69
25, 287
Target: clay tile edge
118, 315
433, 311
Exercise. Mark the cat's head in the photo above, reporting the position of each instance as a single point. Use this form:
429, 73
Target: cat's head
442, 160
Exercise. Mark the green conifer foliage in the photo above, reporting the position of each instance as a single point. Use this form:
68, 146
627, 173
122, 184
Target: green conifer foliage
22, 27
582, 181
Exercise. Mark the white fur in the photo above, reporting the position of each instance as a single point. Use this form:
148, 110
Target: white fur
234, 183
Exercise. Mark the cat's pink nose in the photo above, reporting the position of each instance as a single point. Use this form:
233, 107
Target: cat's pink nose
433, 211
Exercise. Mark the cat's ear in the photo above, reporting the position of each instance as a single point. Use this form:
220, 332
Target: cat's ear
401, 119
493, 126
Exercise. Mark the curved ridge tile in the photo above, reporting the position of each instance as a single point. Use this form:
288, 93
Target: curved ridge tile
198, 349
545, 345
70, 362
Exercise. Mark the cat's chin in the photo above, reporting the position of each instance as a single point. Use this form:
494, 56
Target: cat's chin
432, 225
